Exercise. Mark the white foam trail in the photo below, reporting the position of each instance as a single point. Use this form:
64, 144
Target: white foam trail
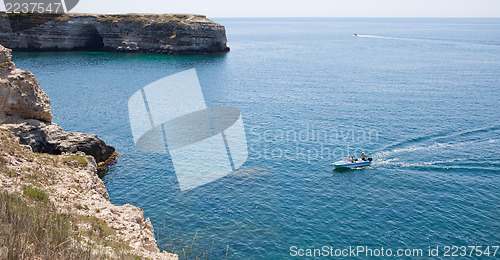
375, 36
437, 150
396, 162
414, 148
399, 157
424, 40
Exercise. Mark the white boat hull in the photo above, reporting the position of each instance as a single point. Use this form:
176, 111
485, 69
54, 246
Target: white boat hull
350, 165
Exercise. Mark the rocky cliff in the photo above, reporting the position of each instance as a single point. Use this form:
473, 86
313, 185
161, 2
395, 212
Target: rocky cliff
71, 184
34, 152
25, 111
166, 33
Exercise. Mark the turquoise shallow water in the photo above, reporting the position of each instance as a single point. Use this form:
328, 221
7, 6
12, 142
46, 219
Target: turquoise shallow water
420, 96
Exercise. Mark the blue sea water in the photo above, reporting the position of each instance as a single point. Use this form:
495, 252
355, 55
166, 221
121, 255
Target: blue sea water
420, 96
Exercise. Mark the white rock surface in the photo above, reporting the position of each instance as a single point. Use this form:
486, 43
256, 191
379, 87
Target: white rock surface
77, 190
20, 94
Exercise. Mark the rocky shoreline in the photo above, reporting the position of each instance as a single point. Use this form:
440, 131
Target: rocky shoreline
34, 152
25, 111
153, 33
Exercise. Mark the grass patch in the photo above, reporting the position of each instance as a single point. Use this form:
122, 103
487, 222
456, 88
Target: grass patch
4, 169
75, 160
7, 147
5, 64
146, 20
35, 194
8, 144
99, 227
3, 162
35, 231
100, 233
23, 21
30, 225
125, 18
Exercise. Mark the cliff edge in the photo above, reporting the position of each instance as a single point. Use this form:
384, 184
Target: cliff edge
69, 183
155, 33
40, 162
25, 112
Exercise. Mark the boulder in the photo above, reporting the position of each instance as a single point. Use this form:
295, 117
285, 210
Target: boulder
51, 138
154, 33
25, 111
20, 93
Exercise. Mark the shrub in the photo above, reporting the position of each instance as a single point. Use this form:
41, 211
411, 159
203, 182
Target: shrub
35, 231
79, 159
35, 194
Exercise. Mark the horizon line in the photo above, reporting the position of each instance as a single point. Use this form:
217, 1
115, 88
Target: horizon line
438, 17
276, 17
354, 17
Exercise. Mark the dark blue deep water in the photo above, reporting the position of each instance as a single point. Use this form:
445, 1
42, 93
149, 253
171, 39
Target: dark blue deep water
420, 96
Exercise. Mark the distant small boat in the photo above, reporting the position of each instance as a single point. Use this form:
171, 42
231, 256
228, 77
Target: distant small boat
351, 165
354, 35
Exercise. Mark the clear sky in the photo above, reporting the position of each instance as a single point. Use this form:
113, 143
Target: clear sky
299, 8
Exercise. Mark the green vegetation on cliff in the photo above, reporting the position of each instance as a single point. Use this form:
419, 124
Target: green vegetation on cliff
31, 227
22, 21
145, 18
34, 230
194, 34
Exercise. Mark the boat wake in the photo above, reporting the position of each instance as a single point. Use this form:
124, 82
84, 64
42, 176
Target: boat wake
377, 36
470, 149
437, 41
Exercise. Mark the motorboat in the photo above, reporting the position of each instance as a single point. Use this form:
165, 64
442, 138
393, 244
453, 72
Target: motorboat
353, 164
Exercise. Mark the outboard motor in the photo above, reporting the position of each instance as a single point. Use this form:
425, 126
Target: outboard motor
370, 159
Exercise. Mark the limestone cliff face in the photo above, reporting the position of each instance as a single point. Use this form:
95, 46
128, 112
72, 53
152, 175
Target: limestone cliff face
73, 187
166, 33
51, 138
25, 111
20, 94
36, 152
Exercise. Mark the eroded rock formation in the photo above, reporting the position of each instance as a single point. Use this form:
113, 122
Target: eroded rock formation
34, 152
25, 111
20, 94
166, 33
73, 187
51, 138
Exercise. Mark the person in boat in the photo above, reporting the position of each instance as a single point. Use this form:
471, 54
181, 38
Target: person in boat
363, 157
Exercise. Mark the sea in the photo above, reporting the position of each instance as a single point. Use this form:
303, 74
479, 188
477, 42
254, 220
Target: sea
421, 96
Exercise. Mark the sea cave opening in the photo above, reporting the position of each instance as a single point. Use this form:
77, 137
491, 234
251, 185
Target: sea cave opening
93, 39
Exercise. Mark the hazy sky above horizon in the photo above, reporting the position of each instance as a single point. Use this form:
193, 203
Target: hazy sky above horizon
300, 8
